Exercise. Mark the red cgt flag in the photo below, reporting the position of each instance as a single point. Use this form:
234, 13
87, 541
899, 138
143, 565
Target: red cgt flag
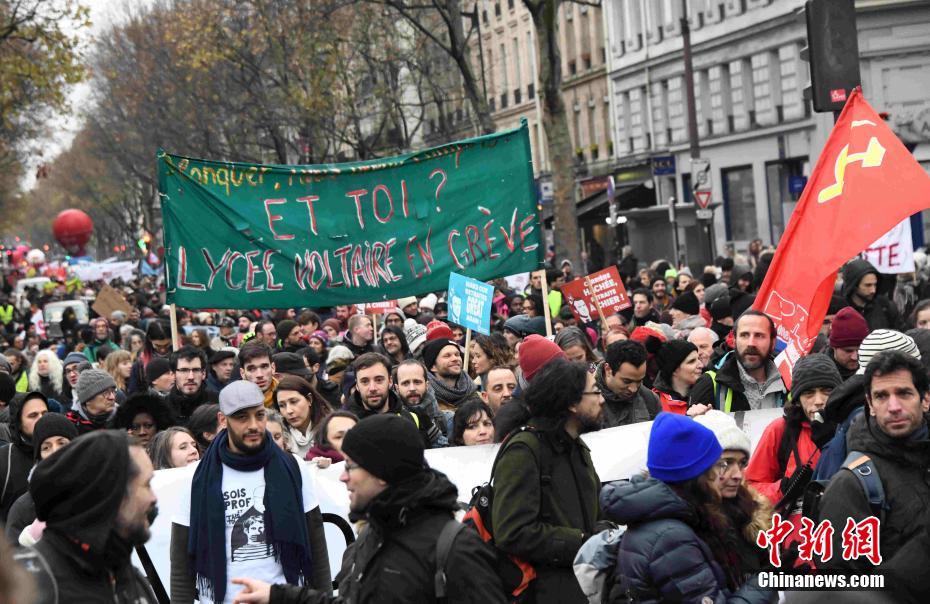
865, 183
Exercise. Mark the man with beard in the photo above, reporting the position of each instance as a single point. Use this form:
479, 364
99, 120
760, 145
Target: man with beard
374, 395
443, 358
660, 298
643, 312
189, 365
408, 511
620, 380
746, 378
97, 503
244, 475
545, 485
860, 288
411, 385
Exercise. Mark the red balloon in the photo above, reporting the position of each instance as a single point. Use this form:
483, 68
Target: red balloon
72, 229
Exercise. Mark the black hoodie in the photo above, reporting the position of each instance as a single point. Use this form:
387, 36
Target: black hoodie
16, 460
879, 312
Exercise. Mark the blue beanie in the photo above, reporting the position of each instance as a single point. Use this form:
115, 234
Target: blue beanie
680, 448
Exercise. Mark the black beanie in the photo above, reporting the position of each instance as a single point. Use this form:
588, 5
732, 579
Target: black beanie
156, 368
672, 354
720, 309
78, 490
49, 425
687, 303
813, 371
285, 328
386, 445
432, 350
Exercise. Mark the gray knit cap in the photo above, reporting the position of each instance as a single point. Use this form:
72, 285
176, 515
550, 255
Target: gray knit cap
91, 383
72, 358
814, 371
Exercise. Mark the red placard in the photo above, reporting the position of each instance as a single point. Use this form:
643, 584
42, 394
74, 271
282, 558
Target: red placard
377, 308
606, 285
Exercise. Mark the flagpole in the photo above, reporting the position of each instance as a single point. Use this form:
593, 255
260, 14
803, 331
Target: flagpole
173, 314
597, 304
467, 348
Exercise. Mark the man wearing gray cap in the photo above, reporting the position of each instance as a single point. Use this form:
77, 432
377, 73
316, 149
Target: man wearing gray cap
252, 510
96, 394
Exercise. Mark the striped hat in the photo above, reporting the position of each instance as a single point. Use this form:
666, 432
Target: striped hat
881, 340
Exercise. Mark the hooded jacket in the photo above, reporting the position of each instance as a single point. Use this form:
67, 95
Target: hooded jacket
394, 558
879, 312
546, 521
643, 407
661, 557
16, 460
903, 465
728, 374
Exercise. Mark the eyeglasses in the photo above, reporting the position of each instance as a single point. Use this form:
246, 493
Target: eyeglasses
190, 370
73, 370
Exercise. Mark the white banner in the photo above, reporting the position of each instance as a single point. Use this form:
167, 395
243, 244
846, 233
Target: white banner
894, 252
617, 453
106, 271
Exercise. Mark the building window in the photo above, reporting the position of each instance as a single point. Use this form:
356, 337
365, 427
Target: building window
517, 96
531, 92
504, 101
484, 16
739, 200
497, 10
572, 68
510, 4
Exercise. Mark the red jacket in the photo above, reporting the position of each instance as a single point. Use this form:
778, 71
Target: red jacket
763, 473
670, 404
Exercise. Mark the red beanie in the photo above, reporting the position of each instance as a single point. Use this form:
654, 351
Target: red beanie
438, 329
849, 329
535, 352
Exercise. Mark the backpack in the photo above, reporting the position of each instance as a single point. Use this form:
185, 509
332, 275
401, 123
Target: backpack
516, 574
443, 548
863, 468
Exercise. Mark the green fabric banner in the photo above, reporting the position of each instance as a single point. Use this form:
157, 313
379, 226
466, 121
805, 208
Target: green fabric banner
270, 236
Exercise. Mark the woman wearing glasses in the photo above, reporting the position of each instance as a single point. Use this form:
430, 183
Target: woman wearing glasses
679, 544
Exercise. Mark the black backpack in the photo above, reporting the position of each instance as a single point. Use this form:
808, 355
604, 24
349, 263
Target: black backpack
863, 468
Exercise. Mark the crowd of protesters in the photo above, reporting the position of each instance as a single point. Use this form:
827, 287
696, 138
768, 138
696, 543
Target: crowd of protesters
257, 398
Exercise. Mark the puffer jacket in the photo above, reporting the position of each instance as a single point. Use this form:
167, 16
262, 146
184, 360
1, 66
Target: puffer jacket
394, 558
643, 407
903, 466
661, 558
546, 521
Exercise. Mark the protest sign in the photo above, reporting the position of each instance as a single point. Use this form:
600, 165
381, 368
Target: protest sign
109, 300
470, 303
268, 236
617, 453
893, 253
378, 308
105, 271
603, 288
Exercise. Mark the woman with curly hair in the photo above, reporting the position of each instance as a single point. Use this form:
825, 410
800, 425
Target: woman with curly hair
143, 416
487, 352
46, 374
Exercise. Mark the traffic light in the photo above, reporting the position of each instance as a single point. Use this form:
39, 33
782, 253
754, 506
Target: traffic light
833, 52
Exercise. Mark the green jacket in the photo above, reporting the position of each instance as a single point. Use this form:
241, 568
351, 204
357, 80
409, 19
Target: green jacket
546, 521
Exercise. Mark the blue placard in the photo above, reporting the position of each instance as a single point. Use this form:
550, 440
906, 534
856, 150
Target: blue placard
470, 303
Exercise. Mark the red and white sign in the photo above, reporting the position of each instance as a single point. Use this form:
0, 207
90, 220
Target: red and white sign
894, 252
837, 95
378, 308
605, 285
702, 198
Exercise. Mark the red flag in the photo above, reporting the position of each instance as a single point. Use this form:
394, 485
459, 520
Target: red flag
865, 183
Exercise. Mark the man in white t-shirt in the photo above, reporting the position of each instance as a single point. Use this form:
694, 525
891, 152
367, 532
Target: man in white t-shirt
252, 510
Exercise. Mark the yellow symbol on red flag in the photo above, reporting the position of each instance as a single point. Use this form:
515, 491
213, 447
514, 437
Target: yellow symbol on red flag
870, 158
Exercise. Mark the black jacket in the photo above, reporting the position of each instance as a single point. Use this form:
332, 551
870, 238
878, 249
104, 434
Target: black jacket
661, 557
182, 405
880, 312
16, 459
64, 573
22, 514
394, 558
643, 407
903, 465
705, 391
395, 406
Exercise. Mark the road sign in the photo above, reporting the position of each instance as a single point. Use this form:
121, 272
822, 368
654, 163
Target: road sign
705, 214
700, 173
663, 165
702, 198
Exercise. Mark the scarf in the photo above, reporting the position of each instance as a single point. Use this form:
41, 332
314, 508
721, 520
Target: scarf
285, 524
464, 386
300, 439
97, 420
